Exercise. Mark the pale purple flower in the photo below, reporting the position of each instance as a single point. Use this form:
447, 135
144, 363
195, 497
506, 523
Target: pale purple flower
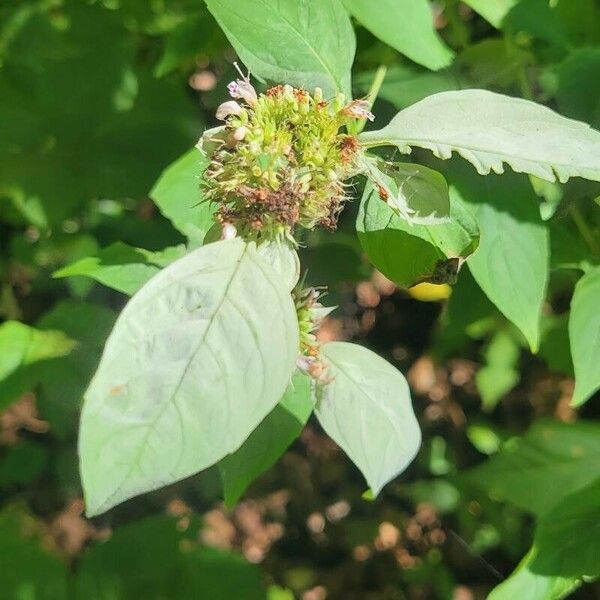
242, 89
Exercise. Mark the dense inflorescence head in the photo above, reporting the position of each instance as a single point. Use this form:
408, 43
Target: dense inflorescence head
281, 159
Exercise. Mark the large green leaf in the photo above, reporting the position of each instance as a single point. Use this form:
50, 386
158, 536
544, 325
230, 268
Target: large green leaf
408, 253
490, 129
20, 347
568, 537
584, 334
160, 557
525, 584
407, 26
193, 365
177, 194
493, 11
305, 43
538, 470
511, 263
366, 409
122, 267
268, 441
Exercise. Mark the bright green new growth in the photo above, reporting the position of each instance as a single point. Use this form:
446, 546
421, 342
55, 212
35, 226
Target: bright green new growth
281, 160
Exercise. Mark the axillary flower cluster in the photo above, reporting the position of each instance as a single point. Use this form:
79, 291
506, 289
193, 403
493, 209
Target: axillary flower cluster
280, 160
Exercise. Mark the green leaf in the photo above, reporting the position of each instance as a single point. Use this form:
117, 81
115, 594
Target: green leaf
28, 570
168, 562
499, 374
121, 267
366, 409
193, 365
305, 43
525, 584
537, 471
407, 26
493, 11
281, 256
568, 537
406, 84
511, 263
490, 129
20, 347
417, 194
177, 195
22, 464
63, 380
407, 253
584, 333
268, 441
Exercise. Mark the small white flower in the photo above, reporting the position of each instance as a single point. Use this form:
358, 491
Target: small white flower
231, 107
228, 231
358, 109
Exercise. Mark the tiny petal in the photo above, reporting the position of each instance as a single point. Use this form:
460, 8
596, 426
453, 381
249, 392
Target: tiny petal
227, 109
243, 90
358, 109
304, 363
240, 133
228, 232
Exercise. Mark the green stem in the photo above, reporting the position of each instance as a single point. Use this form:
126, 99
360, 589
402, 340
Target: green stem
584, 230
373, 93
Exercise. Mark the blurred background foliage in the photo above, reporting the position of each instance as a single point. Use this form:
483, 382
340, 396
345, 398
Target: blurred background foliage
96, 100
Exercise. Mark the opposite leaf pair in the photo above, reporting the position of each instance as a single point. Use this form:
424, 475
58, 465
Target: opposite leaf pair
200, 356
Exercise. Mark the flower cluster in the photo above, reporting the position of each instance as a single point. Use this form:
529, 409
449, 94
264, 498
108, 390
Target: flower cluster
281, 159
310, 313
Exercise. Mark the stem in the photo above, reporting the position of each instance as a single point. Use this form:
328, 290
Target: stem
584, 230
373, 93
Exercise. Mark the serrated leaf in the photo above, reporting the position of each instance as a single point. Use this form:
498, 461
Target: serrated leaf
525, 584
268, 441
304, 43
366, 409
490, 129
193, 365
584, 334
407, 26
536, 471
407, 253
177, 195
511, 264
121, 267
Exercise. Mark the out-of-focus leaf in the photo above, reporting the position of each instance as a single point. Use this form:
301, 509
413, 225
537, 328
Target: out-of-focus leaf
493, 11
268, 441
490, 129
167, 562
406, 84
195, 357
554, 347
22, 464
584, 333
366, 409
499, 374
122, 267
511, 263
20, 347
177, 194
28, 571
567, 538
525, 584
407, 26
306, 44
63, 380
538, 470
407, 253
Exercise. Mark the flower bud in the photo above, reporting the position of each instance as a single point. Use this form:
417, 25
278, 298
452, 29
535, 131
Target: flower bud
240, 133
228, 232
231, 107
